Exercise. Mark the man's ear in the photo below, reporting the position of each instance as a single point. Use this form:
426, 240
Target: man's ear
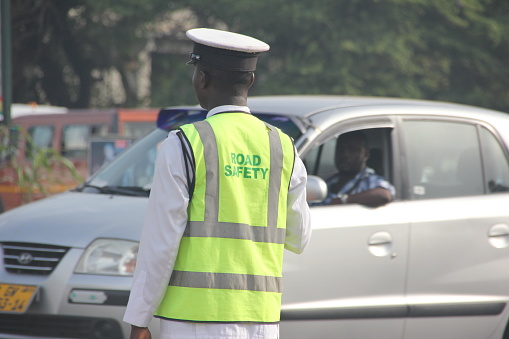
252, 80
203, 79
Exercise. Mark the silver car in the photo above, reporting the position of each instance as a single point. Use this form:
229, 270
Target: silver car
431, 264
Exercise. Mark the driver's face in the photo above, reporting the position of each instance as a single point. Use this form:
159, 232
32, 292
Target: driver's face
351, 156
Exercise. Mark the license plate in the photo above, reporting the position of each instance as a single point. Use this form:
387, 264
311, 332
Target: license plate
16, 298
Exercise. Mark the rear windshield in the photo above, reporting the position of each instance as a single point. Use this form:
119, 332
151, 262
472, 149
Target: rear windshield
174, 118
281, 122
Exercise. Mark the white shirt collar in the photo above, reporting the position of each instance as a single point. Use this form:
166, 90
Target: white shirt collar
228, 108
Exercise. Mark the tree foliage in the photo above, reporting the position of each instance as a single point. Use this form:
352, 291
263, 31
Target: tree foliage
433, 49
63, 49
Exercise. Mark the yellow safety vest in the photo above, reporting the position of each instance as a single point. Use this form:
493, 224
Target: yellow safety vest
229, 264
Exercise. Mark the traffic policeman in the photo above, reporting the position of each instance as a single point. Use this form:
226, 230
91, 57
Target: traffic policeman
228, 196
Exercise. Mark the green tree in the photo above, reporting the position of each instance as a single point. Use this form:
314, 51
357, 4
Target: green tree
63, 48
432, 49
442, 50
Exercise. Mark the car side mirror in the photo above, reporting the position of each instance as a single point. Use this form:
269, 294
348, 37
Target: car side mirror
316, 189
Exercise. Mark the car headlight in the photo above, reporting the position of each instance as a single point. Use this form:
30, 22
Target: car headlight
109, 257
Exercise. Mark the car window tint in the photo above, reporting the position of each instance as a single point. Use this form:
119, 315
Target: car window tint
75, 139
496, 166
443, 159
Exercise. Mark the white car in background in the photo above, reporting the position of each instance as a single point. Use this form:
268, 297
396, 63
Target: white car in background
432, 264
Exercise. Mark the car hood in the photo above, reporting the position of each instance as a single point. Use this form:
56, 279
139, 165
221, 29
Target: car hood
75, 219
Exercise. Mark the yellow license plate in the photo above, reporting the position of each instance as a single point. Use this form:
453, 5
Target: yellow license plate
16, 298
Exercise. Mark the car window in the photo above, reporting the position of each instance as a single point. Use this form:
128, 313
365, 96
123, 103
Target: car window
443, 159
75, 139
134, 167
9, 142
495, 160
41, 137
320, 160
138, 129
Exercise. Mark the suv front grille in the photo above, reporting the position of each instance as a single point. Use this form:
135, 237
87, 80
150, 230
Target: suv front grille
31, 258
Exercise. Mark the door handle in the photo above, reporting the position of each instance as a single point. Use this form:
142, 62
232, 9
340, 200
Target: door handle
380, 244
498, 235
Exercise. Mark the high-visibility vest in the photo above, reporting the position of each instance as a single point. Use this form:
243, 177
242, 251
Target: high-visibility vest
229, 263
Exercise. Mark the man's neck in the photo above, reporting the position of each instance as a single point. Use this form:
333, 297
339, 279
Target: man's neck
218, 100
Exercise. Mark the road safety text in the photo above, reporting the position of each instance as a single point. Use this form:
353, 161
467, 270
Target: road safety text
245, 166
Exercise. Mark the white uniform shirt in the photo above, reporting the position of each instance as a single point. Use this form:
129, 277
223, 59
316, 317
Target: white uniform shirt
164, 225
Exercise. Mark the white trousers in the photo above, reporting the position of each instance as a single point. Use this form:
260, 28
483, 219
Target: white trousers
190, 330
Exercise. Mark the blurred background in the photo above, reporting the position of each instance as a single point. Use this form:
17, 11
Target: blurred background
133, 53
82, 74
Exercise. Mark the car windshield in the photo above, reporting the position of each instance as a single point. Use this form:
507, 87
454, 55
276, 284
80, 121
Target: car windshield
132, 171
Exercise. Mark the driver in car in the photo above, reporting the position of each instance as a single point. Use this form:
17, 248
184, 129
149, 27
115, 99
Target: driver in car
355, 182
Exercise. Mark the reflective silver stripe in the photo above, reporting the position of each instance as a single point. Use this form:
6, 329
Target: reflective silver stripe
227, 230
276, 169
209, 142
228, 281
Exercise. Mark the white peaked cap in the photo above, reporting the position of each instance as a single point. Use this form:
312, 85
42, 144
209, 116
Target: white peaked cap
225, 50
227, 40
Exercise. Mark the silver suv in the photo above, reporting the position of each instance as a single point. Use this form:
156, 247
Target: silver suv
431, 264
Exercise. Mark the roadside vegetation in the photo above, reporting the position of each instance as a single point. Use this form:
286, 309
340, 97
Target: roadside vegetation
45, 172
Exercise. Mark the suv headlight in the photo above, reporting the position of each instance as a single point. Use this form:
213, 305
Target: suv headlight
109, 257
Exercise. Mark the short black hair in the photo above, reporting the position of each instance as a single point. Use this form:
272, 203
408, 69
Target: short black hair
234, 82
358, 135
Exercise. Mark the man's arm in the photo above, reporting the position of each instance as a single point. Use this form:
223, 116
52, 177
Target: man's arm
298, 220
165, 222
140, 333
373, 198
377, 192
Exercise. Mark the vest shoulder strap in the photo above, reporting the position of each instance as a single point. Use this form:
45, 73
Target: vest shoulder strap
187, 152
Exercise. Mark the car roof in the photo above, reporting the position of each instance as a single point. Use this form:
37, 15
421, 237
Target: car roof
323, 110
304, 106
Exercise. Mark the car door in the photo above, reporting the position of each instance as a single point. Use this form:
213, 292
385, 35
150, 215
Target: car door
458, 258
349, 282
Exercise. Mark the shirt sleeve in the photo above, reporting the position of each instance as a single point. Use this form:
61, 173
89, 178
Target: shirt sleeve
164, 225
379, 181
298, 220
